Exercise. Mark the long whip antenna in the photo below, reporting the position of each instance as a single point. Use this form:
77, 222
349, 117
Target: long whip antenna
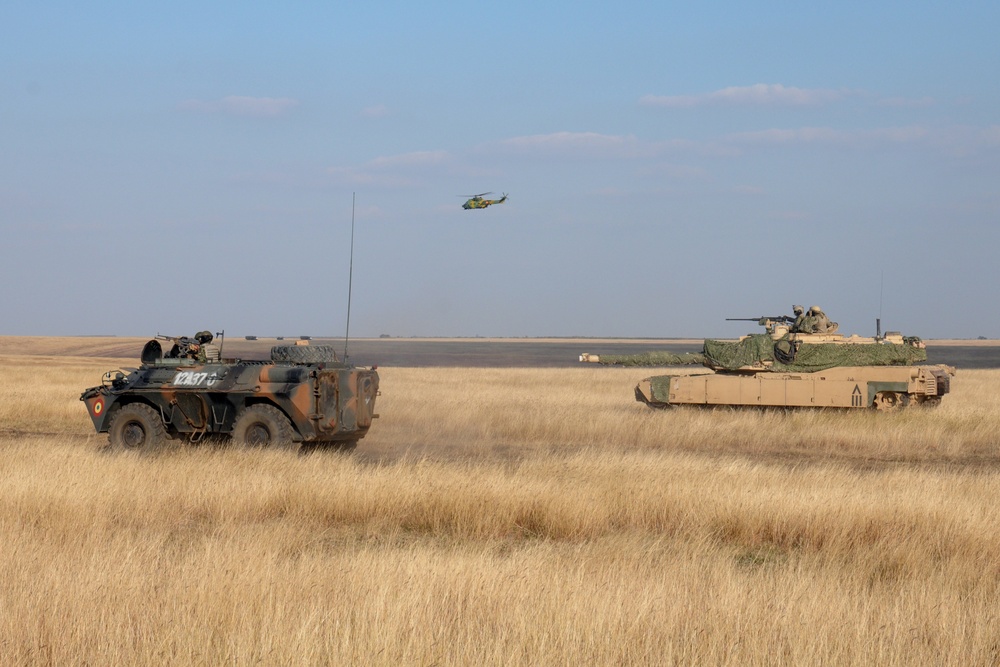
878, 322
881, 288
350, 279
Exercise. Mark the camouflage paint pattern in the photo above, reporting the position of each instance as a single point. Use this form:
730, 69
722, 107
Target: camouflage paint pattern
323, 401
477, 201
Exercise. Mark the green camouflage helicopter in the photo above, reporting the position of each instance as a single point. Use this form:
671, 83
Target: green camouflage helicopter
477, 201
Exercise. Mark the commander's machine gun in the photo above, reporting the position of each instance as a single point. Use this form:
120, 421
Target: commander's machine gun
768, 322
185, 347
182, 346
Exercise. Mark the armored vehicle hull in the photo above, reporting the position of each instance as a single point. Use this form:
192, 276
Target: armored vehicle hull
303, 396
883, 388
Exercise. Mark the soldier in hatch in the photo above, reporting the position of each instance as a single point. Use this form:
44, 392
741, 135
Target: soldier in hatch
205, 351
800, 316
197, 348
820, 323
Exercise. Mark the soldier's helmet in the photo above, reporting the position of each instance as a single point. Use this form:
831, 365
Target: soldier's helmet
815, 310
203, 337
798, 310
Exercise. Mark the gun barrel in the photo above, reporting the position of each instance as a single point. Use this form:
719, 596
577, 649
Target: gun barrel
762, 319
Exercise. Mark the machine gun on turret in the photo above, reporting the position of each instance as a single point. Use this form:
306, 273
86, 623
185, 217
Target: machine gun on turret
200, 347
182, 346
766, 321
763, 321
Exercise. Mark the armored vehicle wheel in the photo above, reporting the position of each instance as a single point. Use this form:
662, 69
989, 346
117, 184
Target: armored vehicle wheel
263, 426
891, 400
136, 427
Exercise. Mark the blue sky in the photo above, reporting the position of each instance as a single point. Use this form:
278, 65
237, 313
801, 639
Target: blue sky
174, 168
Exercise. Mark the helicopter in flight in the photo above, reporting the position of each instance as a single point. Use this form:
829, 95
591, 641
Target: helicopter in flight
477, 201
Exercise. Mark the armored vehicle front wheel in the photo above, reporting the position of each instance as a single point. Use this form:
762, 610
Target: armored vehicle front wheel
890, 400
263, 426
136, 427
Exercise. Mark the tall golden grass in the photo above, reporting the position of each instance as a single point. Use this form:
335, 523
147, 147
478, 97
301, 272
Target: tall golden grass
506, 517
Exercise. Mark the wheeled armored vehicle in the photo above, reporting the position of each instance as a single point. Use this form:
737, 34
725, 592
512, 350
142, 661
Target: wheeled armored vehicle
785, 369
303, 397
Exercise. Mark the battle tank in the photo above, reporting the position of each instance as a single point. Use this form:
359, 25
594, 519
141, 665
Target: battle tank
782, 368
303, 398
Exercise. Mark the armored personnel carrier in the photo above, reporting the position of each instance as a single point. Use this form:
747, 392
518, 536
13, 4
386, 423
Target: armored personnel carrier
304, 397
780, 368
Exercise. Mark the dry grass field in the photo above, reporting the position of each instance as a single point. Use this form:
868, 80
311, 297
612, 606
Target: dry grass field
505, 516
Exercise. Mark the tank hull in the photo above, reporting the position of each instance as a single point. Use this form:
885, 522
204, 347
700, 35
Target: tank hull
862, 387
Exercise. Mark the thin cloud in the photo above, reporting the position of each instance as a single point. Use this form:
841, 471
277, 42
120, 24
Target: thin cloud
760, 94
827, 135
964, 140
591, 144
898, 135
956, 140
790, 216
236, 105
597, 146
905, 102
991, 135
416, 158
800, 135
402, 170
674, 171
375, 111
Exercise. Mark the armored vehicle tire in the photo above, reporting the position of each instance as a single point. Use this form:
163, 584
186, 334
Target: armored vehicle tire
136, 427
304, 354
263, 426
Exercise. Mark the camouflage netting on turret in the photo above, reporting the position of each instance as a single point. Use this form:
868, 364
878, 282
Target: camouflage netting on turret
652, 359
783, 356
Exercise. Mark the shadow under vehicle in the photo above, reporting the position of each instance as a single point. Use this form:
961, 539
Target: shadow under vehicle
303, 398
780, 368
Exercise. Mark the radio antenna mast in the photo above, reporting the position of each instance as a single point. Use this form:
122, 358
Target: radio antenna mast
878, 320
350, 280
